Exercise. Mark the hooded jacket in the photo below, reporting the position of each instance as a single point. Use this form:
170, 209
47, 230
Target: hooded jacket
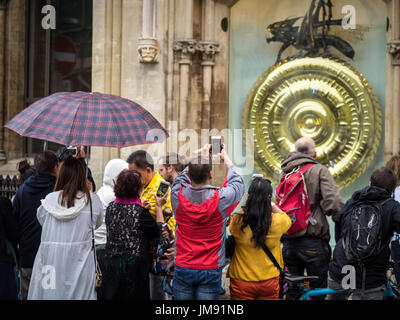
65, 261
106, 193
376, 268
25, 205
201, 214
323, 194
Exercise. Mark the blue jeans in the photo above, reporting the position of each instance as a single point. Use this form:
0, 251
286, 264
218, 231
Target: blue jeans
196, 284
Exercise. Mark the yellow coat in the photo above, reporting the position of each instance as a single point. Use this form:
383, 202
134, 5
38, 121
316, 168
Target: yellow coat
250, 263
148, 194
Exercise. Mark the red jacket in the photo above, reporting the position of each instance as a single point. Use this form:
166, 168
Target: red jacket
201, 214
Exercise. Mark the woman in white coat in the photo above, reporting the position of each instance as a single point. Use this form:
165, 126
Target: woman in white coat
64, 267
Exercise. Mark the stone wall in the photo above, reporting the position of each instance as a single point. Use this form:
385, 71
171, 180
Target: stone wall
13, 91
185, 86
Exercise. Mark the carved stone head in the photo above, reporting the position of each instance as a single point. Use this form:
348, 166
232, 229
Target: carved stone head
149, 50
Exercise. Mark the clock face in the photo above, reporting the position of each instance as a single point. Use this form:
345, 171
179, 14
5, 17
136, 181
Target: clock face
320, 97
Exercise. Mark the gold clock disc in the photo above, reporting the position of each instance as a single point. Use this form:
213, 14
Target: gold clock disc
323, 98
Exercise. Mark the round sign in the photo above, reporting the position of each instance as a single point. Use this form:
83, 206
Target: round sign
65, 55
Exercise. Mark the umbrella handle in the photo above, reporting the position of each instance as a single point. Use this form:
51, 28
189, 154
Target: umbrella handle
45, 145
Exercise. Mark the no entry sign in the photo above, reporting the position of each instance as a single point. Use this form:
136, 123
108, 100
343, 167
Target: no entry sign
65, 55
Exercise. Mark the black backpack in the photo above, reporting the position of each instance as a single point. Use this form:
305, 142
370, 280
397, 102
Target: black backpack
363, 231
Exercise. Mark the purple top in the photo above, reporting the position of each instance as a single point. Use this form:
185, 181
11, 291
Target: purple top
128, 201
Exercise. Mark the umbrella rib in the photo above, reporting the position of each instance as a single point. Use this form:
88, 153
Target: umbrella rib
33, 120
73, 122
115, 119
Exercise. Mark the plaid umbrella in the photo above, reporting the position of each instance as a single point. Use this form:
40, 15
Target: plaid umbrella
88, 119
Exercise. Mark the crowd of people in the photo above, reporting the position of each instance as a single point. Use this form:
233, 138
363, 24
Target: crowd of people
127, 241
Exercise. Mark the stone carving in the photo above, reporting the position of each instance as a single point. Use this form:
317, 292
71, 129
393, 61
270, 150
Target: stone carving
208, 50
185, 48
149, 50
393, 48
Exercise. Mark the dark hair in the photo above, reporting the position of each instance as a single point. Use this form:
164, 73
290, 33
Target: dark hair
258, 210
394, 164
128, 185
141, 159
175, 160
45, 162
25, 171
199, 169
71, 179
385, 178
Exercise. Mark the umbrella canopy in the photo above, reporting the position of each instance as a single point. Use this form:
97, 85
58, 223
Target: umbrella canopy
87, 119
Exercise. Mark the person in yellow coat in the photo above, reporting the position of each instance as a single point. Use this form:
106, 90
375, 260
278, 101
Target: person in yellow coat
142, 162
253, 276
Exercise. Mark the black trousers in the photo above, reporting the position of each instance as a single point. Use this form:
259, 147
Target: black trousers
307, 254
8, 285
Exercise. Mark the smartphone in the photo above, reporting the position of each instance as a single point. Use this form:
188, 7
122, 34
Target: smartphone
71, 151
216, 145
162, 189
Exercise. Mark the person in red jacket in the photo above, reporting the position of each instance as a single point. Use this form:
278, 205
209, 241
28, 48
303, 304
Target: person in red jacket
201, 212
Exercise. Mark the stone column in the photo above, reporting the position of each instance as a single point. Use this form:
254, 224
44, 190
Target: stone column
148, 44
14, 84
185, 46
208, 47
118, 26
116, 48
106, 68
392, 114
3, 8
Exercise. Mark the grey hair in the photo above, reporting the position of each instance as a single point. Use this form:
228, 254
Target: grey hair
305, 145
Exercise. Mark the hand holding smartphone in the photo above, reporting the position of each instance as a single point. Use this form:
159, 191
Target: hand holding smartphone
162, 189
216, 145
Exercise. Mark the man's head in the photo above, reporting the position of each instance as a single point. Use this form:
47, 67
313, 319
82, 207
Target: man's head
200, 171
142, 162
394, 164
306, 145
385, 178
46, 163
170, 166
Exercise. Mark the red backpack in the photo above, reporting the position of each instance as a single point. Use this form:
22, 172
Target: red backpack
291, 197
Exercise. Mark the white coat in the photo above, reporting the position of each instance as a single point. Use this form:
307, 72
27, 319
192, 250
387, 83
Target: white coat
106, 193
64, 267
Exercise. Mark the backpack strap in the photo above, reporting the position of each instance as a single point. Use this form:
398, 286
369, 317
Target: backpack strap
272, 258
307, 166
386, 200
303, 170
